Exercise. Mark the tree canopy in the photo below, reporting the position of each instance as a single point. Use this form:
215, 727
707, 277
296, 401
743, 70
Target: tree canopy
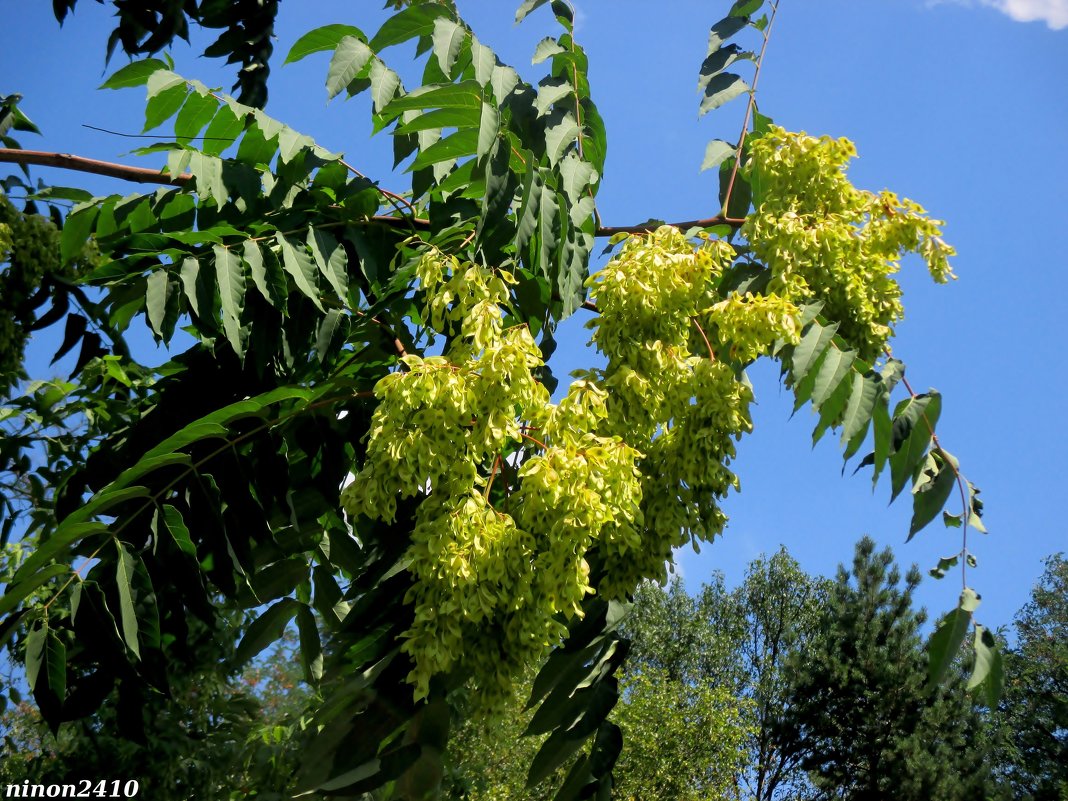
358, 431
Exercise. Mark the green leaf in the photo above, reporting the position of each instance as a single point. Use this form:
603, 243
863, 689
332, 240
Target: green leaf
724, 30
857, 417
317, 40
944, 564
807, 352
267, 274
718, 61
526, 7
914, 423
55, 658
208, 173
488, 126
76, 230
500, 187
16, 593
835, 366
384, 85
561, 131
279, 578
721, 89
223, 131
530, 200
311, 647
448, 38
327, 331
136, 73
166, 94
349, 60
291, 143
745, 8
35, 654
460, 144
172, 518
551, 91
441, 118
545, 48
64, 536
414, 21
988, 671
124, 577
547, 232
266, 629
298, 264
331, 259
189, 273
716, 153
157, 294
929, 497
946, 641
466, 94
231, 276
256, 148
197, 111
554, 752
576, 175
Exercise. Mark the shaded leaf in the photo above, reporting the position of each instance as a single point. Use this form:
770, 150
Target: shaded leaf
231, 276
266, 629
124, 577
721, 89
311, 647
298, 264
172, 518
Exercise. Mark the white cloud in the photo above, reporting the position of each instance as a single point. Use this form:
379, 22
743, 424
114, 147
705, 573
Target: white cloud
1052, 12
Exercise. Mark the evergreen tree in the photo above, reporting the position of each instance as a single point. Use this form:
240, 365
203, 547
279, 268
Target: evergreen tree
860, 713
1035, 708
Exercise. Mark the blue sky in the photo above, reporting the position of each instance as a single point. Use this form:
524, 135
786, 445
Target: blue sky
957, 104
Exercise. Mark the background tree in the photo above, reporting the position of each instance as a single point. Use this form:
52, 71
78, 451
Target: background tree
860, 712
782, 609
1034, 712
684, 729
215, 736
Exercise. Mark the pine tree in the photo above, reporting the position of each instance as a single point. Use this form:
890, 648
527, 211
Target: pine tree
861, 715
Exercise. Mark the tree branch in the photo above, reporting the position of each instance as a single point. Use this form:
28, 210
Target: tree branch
145, 175
65, 161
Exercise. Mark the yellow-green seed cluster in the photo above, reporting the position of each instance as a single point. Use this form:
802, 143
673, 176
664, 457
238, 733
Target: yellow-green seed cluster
824, 239
634, 460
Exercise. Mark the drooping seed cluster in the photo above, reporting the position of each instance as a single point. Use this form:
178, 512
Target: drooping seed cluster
634, 460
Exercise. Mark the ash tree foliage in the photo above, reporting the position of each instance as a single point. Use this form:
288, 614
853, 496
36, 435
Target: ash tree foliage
398, 344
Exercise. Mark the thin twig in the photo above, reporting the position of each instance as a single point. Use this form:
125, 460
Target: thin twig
704, 336
749, 108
